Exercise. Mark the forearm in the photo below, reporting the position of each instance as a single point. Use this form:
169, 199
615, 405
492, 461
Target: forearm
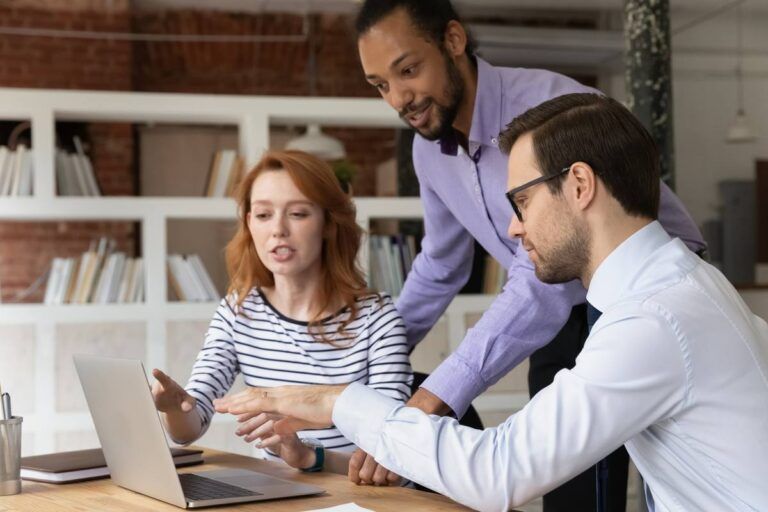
183, 427
524, 317
428, 402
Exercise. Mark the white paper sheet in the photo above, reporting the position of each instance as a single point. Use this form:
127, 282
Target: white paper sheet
347, 507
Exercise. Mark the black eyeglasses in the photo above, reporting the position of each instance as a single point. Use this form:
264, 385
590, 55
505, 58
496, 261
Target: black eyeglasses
541, 179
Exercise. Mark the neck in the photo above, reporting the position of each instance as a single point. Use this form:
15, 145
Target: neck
463, 121
608, 234
296, 297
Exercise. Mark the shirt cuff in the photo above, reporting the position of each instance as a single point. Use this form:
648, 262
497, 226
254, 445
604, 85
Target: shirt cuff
360, 413
454, 383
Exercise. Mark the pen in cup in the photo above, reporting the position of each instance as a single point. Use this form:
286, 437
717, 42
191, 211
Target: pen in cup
7, 413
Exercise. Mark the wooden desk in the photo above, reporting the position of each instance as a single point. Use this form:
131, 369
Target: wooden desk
104, 496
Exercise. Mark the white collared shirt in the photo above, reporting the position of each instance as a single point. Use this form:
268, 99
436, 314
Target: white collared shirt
676, 369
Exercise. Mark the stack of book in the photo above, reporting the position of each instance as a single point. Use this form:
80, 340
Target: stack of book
76, 466
391, 259
15, 171
100, 276
189, 280
225, 173
74, 173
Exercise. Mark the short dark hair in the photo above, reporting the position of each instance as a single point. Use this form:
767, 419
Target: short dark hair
430, 17
601, 132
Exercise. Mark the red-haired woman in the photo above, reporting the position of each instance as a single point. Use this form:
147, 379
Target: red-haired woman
297, 310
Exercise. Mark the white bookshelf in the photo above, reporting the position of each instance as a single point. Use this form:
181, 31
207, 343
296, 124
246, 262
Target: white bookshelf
253, 117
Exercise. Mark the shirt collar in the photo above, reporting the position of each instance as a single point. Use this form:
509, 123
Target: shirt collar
618, 270
486, 117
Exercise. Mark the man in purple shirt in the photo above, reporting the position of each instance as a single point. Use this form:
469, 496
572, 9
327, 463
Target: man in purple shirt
420, 58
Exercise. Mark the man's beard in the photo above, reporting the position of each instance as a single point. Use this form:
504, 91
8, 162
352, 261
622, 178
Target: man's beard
445, 114
569, 259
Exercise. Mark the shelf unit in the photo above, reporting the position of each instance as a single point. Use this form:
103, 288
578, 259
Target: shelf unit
252, 116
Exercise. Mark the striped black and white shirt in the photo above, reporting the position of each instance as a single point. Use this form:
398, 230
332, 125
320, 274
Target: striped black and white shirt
270, 350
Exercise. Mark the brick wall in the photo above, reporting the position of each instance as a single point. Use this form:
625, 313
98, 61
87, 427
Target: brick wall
264, 68
27, 248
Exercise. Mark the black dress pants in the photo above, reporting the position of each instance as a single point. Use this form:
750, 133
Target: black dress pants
579, 493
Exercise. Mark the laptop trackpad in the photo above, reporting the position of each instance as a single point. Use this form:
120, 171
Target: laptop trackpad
246, 479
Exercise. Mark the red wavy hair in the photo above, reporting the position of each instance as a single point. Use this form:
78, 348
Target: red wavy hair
342, 278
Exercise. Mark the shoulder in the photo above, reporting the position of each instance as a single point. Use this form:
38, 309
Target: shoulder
372, 302
524, 88
634, 337
231, 303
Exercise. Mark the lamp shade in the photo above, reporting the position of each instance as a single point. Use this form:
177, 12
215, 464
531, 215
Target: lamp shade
740, 130
316, 143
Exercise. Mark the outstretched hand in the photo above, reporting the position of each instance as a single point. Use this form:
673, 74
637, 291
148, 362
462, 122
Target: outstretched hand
169, 396
300, 407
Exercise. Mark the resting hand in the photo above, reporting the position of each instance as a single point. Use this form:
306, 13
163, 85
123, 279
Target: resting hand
302, 407
169, 396
364, 470
261, 428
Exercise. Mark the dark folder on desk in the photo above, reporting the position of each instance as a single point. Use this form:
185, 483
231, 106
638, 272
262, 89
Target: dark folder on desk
76, 466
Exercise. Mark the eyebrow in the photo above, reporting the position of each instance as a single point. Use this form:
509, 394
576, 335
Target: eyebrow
290, 203
394, 64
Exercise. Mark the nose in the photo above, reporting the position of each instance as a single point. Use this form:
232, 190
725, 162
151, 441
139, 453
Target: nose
279, 226
399, 97
515, 229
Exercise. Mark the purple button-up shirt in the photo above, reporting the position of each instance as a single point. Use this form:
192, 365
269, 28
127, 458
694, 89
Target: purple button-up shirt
463, 197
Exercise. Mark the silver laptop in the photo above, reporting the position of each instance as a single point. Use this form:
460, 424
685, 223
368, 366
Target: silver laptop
136, 450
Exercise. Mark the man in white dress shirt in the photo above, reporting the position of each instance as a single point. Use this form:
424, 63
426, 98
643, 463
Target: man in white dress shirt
675, 368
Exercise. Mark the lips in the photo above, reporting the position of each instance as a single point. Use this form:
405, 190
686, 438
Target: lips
282, 250
420, 116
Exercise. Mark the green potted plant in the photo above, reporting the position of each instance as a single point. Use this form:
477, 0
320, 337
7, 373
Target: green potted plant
345, 173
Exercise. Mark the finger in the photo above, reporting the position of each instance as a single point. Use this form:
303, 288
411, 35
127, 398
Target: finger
355, 465
366, 472
162, 378
242, 418
271, 441
188, 403
267, 429
380, 475
258, 404
250, 425
289, 426
393, 478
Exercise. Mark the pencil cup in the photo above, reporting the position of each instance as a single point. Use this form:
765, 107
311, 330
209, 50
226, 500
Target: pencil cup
10, 456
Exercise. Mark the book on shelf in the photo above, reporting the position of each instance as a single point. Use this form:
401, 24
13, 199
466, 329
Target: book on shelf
74, 172
391, 257
224, 174
189, 280
100, 275
80, 465
16, 171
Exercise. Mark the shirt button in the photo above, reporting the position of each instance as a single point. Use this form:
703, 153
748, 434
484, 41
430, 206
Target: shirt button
494, 140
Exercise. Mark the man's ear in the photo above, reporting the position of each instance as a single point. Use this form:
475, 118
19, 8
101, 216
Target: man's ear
584, 187
455, 40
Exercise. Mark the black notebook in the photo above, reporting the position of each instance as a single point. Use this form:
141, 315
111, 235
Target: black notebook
76, 466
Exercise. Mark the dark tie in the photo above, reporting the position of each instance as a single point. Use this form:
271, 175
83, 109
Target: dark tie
592, 315
601, 469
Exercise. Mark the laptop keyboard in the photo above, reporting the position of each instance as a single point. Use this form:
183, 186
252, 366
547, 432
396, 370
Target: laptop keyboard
198, 488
